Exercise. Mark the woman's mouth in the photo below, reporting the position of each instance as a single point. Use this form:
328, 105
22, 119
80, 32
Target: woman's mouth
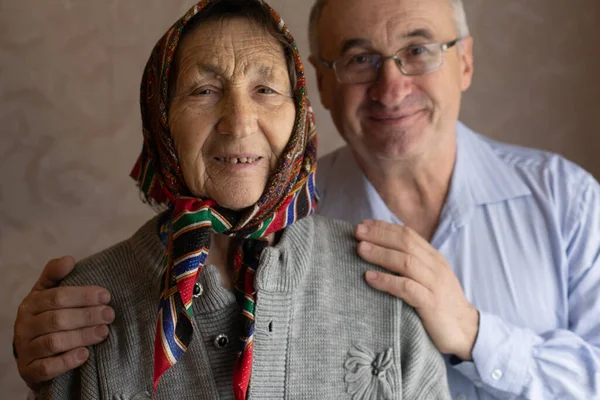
238, 160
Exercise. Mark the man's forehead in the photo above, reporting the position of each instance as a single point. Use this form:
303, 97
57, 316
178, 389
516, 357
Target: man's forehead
363, 8
343, 20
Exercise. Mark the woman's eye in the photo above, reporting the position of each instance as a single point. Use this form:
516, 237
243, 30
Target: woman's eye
265, 90
203, 92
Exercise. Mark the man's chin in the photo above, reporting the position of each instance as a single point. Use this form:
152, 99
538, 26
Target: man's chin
395, 147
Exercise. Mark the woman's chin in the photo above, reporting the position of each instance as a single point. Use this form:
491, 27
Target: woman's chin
234, 194
239, 200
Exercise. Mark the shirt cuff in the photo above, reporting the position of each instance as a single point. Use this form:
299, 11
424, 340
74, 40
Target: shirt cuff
501, 356
467, 368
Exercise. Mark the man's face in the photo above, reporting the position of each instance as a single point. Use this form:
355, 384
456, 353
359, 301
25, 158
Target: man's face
397, 117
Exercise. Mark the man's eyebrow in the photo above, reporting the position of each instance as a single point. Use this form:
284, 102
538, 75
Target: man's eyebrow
350, 43
360, 42
421, 32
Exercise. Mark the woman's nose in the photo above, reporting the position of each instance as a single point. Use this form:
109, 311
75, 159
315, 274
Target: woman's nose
239, 116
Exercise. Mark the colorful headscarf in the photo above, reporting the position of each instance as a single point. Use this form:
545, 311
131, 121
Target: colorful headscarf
289, 195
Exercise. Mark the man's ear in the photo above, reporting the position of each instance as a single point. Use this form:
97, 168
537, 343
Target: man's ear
466, 62
319, 72
315, 63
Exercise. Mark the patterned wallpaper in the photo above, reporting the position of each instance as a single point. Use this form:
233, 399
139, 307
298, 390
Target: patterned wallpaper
70, 131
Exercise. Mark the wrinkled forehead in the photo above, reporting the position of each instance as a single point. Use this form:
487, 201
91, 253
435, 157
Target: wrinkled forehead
232, 45
384, 22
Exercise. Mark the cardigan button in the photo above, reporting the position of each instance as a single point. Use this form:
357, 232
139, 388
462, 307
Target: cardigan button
198, 290
221, 341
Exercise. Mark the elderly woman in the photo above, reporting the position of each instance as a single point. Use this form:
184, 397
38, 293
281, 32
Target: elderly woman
256, 299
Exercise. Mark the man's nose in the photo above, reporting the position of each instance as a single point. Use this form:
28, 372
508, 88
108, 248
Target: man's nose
391, 86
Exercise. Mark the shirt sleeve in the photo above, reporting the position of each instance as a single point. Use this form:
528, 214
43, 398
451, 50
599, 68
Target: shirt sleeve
512, 361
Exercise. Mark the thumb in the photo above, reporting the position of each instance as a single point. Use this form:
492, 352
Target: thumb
54, 272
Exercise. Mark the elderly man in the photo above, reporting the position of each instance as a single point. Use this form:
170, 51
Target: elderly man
497, 247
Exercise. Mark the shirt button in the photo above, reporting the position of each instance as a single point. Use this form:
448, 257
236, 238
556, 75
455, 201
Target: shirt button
198, 290
461, 397
221, 341
496, 374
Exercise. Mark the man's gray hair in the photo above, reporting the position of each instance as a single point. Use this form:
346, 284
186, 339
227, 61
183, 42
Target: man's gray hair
460, 19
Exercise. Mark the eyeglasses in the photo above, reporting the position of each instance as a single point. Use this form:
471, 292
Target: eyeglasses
412, 60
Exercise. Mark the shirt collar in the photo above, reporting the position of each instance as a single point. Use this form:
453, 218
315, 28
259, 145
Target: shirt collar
480, 169
345, 191
480, 177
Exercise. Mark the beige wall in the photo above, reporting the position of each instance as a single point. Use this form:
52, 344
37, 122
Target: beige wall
69, 121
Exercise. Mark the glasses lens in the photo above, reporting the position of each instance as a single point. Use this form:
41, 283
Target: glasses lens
357, 68
420, 59
412, 60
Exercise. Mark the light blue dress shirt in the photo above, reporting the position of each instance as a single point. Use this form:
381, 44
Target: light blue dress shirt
521, 230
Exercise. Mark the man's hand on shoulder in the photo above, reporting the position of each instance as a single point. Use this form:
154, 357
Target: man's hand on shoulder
422, 277
55, 324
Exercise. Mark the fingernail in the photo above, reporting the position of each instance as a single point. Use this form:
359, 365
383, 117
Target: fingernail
81, 354
104, 297
371, 275
362, 229
65, 259
101, 331
366, 247
108, 314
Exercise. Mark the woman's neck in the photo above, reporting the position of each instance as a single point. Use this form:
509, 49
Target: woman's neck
221, 255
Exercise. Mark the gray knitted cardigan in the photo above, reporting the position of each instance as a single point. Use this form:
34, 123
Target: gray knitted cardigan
320, 331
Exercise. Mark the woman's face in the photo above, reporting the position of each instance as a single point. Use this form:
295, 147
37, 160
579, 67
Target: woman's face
232, 110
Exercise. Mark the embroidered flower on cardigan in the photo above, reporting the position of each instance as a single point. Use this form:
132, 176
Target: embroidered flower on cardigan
370, 376
138, 396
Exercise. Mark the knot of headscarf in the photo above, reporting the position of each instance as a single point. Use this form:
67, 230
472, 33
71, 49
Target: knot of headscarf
290, 195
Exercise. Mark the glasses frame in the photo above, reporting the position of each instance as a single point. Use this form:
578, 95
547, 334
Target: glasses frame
443, 46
